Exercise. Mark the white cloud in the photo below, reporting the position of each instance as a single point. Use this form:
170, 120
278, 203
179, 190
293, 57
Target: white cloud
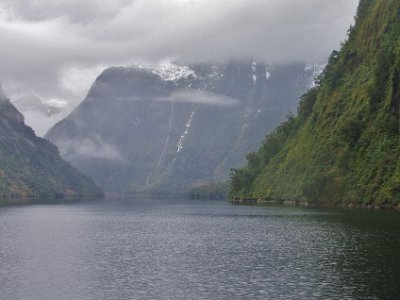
93, 147
199, 97
46, 44
2, 95
41, 120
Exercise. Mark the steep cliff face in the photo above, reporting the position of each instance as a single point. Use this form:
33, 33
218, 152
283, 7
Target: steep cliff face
31, 166
344, 145
172, 127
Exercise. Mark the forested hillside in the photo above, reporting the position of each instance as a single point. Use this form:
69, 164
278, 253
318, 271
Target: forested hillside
343, 146
31, 167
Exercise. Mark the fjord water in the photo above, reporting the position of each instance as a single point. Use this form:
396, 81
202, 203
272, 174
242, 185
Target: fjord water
186, 249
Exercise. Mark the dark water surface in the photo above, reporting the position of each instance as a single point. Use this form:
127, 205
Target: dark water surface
153, 249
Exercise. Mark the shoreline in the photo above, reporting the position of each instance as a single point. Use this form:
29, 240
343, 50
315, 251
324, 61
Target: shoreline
255, 201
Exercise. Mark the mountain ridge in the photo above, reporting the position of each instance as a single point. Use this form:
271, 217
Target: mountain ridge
173, 127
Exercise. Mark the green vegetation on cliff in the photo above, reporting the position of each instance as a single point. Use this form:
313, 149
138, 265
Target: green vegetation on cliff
31, 167
344, 144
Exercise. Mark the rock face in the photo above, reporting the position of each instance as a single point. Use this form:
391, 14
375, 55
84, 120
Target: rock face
170, 127
31, 166
343, 146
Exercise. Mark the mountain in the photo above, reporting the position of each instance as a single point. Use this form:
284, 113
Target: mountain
31, 167
344, 144
170, 127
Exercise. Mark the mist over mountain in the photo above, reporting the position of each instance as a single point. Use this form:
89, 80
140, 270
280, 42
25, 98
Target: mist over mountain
171, 127
40, 113
54, 50
31, 167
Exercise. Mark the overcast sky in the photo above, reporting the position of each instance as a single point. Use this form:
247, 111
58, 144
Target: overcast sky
52, 50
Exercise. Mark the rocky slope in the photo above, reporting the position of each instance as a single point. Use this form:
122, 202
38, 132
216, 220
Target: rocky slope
170, 127
31, 167
344, 145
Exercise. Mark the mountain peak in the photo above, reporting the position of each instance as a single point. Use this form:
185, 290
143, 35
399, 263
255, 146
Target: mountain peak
174, 127
167, 71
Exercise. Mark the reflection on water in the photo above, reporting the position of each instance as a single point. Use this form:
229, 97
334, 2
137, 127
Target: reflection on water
154, 249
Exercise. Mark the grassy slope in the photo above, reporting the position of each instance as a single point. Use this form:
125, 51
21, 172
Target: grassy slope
344, 144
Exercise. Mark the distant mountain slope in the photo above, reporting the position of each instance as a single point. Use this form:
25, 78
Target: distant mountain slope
344, 145
31, 166
170, 127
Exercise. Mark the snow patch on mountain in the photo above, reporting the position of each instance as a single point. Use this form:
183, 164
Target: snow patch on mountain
267, 73
254, 70
215, 73
183, 136
168, 71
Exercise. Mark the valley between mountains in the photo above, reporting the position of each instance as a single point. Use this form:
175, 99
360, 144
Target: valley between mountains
169, 128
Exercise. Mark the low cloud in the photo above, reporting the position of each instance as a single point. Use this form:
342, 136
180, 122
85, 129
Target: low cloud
2, 95
42, 114
199, 97
93, 147
40, 119
55, 49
